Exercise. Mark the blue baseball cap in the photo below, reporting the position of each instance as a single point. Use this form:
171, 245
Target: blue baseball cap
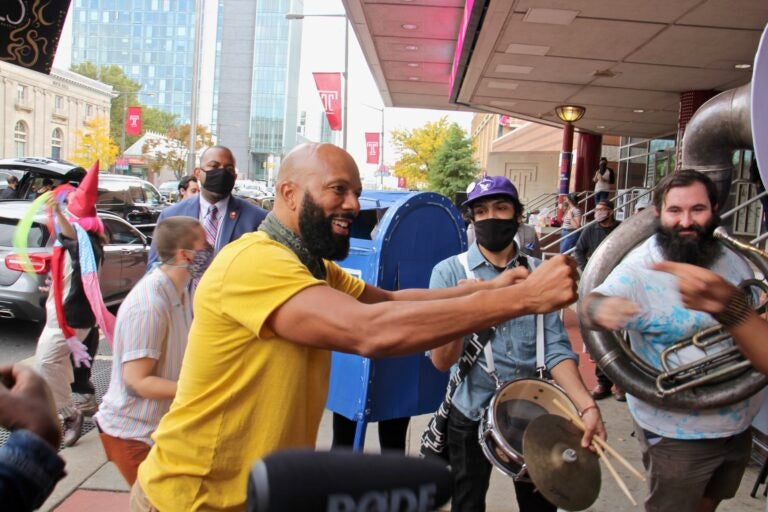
490, 186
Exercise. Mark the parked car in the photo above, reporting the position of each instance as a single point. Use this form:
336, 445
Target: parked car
125, 262
134, 199
129, 197
32, 171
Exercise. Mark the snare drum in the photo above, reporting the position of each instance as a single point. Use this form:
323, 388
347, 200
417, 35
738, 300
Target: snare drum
513, 406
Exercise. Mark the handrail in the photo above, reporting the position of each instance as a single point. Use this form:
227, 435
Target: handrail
746, 203
540, 201
593, 221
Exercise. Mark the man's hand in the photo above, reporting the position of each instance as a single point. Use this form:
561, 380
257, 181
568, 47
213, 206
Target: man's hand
26, 403
510, 276
700, 288
593, 426
552, 285
612, 313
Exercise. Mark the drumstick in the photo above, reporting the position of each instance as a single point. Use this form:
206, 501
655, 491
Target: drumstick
615, 475
598, 440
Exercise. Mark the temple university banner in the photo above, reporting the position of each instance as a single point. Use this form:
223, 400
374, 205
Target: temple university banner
372, 147
133, 121
30, 30
329, 88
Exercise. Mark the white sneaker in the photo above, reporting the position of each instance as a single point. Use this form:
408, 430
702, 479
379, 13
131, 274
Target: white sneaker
86, 402
72, 425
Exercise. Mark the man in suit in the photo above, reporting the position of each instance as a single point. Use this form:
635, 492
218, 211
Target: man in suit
223, 216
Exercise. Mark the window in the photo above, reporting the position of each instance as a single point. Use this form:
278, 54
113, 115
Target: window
89, 110
56, 139
20, 139
151, 195
21, 92
119, 233
58, 102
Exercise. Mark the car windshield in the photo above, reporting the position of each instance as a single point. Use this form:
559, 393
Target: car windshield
152, 197
38, 234
169, 186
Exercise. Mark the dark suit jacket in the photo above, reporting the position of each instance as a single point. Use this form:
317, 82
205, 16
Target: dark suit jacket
241, 217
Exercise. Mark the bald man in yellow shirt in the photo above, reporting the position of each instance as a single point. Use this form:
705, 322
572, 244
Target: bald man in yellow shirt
267, 314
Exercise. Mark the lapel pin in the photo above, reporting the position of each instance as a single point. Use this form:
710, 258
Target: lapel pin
232, 215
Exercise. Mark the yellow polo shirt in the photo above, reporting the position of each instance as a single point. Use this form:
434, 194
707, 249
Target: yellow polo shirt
243, 392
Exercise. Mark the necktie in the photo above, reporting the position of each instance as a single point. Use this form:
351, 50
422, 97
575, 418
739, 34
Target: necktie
211, 225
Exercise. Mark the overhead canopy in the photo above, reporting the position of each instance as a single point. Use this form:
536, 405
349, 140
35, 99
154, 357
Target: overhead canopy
626, 61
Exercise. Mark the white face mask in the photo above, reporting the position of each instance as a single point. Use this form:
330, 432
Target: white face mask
601, 216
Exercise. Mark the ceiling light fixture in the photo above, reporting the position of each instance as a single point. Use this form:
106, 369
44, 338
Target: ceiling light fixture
600, 126
743, 66
550, 16
638, 111
411, 47
527, 49
413, 64
570, 113
414, 78
409, 26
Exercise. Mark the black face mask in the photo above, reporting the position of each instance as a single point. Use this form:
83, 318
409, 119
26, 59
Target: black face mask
495, 234
219, 182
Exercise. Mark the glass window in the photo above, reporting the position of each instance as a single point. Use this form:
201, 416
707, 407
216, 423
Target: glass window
152, 196
89, 110
57, 138
20, 139
120, 233
59, 102
38, 233
21, 92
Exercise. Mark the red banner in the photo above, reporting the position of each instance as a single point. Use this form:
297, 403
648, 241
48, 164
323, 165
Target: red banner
372, 147
329, 88
401, 183
133, 121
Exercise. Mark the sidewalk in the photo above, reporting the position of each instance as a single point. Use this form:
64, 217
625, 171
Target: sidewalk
93, 484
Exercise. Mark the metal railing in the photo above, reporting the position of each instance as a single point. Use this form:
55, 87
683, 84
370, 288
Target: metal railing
631, 204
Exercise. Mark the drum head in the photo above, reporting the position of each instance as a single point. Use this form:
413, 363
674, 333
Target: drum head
519, 402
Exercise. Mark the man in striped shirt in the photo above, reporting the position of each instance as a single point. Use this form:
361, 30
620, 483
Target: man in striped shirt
149, 343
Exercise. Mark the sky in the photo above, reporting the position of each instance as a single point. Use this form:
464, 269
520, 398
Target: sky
323, 50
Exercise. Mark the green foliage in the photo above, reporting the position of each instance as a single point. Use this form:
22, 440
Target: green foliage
153, 119
452, 167
158, 121
417, 148
173, 150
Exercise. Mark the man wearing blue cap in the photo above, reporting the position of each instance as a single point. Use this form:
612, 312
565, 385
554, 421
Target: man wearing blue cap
493, 206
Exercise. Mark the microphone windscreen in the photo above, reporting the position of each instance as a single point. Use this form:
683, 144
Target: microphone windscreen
345, 481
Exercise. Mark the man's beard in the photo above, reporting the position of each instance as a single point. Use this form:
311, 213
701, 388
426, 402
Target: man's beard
317, 233
701, 250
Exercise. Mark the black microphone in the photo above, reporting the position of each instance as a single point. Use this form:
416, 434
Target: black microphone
346, 481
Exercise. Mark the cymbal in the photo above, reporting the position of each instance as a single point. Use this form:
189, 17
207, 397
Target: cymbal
563, 472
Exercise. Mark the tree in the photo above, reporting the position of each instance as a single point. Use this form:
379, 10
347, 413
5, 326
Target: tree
153, 119
453, 167
417, 149
171, 151
94, 143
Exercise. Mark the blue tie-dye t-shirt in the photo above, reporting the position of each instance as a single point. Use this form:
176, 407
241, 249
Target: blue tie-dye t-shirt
662, 321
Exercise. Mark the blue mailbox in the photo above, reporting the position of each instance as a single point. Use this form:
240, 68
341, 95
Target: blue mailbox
396, 241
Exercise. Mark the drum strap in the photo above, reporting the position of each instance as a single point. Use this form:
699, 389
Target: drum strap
488, 349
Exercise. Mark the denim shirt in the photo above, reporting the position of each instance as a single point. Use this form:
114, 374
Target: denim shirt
29, 470
514, 343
